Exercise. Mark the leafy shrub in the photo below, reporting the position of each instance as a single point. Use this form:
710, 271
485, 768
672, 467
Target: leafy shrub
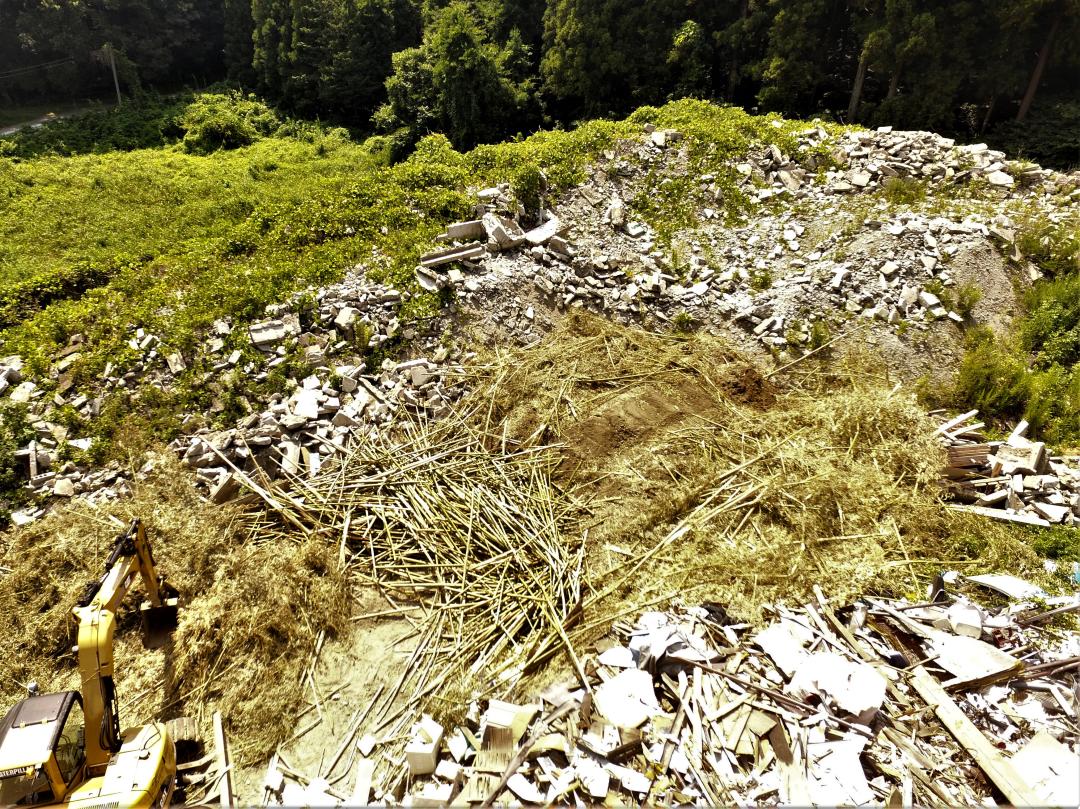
1052, 329
146, 123
992, 378
995, 377
225, 121
967, 297
1050, 135
527, 183
19, 301
1054, 246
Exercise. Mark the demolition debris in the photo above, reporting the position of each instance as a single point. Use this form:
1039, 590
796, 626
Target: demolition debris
883, 702
1015, 480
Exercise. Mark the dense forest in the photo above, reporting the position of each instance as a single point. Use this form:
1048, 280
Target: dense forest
482, 70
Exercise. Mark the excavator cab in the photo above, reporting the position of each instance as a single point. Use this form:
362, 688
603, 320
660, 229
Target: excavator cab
42, 749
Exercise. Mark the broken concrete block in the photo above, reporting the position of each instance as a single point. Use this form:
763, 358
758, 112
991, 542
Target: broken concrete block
267, 333
176, 362
1051, 512
465, 231
305, 403
422, 751
616, 213
23, 392
859, 178
429, 280
1027, 458
346, 317
451, 254
290, 457
225, 489
929, 300
504, 232
63, 488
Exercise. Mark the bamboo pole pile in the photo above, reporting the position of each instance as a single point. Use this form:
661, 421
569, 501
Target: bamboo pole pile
473, 539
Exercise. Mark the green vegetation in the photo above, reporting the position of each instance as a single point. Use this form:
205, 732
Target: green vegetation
483, 70
904, 190
457, 83
1032, 373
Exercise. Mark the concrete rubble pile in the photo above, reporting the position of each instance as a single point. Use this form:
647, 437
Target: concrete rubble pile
316, 416
773, 277
291, 431
40, 459
1015, 480
884, 702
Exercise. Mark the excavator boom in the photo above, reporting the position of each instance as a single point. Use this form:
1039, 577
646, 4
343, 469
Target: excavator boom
95, 616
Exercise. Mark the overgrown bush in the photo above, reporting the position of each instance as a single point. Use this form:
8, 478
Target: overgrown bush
145, 123
904, 190
1052, 327
996, 377
225, 121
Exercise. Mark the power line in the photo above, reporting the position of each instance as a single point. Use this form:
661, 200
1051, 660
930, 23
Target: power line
20, 71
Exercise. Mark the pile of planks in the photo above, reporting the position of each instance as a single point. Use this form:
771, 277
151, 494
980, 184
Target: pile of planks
883, 702
1014, 480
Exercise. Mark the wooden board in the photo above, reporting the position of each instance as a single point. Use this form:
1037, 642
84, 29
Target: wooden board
1001, 771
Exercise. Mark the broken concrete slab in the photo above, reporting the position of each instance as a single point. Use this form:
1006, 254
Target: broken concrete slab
506, 233
543, 234
464, 231
451, 254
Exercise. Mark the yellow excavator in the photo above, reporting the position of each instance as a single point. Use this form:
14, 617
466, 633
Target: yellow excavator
67, 748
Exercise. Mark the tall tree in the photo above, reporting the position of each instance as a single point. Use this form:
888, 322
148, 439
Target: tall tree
457, 83
238, 46
806, 64
363, 36
691, 61
603, 56
1052, 17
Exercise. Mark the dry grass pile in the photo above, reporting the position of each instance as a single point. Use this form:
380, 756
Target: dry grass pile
247, 619
475, 536
829, 480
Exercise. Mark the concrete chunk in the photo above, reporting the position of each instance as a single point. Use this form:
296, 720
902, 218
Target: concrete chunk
504, 232
267, 332
462, 231
542, 234
451, 254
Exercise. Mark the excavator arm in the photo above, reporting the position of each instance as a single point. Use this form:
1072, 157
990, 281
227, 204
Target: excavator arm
95, 617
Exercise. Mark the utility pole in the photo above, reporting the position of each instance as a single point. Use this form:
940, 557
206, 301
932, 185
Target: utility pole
112, 64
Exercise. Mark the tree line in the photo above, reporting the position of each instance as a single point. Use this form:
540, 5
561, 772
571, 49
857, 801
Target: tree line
481, 70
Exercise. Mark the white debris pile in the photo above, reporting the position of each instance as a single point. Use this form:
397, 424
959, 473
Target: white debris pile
820, 256
885, 702
1016, 480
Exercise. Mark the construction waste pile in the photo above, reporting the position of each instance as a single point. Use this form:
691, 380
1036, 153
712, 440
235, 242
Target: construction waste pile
769, 285
588, 252
1015, 480
883, 702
